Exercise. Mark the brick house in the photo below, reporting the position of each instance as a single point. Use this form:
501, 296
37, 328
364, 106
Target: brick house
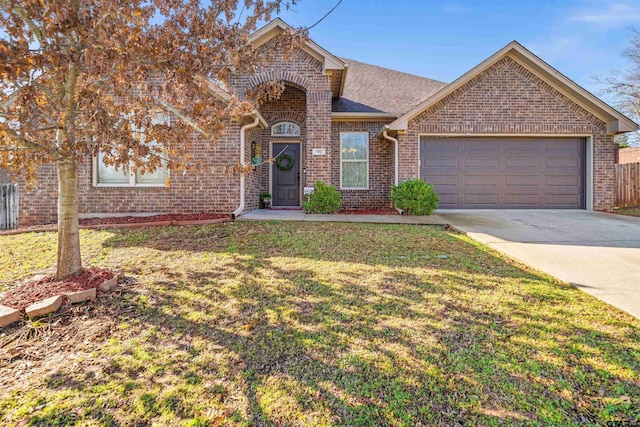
511, 133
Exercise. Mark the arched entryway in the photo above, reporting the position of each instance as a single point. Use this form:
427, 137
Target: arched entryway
285, 140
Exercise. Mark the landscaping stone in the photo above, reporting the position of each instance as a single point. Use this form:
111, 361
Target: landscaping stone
81, 296
119, 273
201, 221
45, 306
9, 315
108, 285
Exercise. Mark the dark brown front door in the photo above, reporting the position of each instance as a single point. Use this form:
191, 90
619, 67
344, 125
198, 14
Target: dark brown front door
286, 183
511, 173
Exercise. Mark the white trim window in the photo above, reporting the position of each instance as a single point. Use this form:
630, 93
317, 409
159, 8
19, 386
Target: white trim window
285, 129
354, 160
109, 176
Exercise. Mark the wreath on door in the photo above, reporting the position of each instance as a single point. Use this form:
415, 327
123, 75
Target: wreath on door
284, 162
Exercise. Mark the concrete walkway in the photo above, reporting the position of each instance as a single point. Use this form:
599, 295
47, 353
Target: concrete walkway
597, 252
298, 215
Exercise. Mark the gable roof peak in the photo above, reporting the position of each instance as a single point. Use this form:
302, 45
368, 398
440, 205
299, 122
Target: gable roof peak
616, 121
277, 26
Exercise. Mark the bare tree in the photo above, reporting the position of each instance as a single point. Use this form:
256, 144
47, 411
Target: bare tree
625, 85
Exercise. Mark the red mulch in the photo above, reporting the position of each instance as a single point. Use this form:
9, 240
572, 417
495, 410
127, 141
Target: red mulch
154, 218
378, 211
122, 220
26, 294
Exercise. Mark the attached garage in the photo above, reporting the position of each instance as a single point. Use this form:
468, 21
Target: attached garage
505, 173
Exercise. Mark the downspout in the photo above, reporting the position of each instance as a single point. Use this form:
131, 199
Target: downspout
395, 152
395, 157
243, 129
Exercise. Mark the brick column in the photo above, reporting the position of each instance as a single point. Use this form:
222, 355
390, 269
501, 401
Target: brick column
318, 136
408, 155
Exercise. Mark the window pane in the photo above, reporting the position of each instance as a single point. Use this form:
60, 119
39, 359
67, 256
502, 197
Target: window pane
109, 174
354, 175
159, 176
354, 146
286, 129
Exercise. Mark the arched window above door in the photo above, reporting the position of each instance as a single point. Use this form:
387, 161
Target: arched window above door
285, 129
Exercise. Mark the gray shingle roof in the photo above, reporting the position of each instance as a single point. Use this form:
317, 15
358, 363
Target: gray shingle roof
373, 89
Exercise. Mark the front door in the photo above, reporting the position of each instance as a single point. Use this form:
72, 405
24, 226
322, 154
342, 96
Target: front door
286, 175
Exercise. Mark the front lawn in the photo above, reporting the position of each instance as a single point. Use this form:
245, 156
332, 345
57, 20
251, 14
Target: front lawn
315, 324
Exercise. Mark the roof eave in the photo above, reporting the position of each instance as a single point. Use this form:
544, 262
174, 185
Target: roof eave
615, 127
215, 89
362, 116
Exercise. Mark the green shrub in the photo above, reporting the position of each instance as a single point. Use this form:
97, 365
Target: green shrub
325, 199
415, 197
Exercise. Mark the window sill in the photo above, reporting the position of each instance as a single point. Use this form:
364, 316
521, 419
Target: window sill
130, 186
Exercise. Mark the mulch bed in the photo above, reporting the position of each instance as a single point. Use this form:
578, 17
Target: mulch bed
379, 211
153, 218
32, 291
173, 219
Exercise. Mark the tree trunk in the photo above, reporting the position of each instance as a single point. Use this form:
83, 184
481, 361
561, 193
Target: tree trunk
69, 261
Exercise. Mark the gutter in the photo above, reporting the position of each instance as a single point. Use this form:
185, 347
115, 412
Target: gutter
395, 151
243, 129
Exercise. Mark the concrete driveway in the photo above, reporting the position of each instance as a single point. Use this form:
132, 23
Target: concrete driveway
597, 252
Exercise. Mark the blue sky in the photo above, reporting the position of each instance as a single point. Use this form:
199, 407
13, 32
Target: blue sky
444, 39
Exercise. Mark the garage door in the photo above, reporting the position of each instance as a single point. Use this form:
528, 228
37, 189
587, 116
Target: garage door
516, 173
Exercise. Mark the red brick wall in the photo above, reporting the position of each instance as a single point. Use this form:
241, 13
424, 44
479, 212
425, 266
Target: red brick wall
629, 155
381, 169
509, 99
318, 136
40, 204
254, 181
210, 191
4, 176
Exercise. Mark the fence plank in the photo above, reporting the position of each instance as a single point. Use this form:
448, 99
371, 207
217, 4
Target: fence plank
627, 182
8, 206
16, 203
3, 205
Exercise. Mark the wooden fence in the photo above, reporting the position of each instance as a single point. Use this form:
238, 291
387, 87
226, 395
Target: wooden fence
8, 206
628, 185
